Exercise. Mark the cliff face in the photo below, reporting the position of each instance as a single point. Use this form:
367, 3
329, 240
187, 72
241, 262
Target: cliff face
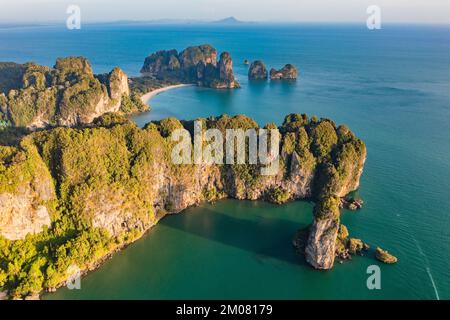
196, 65
170, 188
114, 181
67, 95
27, 193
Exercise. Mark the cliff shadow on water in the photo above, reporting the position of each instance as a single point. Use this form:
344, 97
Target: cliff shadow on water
239, 224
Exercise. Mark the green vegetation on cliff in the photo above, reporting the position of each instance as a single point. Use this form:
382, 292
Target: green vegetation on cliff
69, 94
109, 182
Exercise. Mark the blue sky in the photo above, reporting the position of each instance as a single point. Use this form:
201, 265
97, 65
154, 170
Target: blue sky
408, 11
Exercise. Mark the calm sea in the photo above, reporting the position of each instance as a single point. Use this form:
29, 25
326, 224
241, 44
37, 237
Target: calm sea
391, 86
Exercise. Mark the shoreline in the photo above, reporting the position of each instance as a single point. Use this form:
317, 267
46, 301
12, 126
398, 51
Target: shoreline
151, 94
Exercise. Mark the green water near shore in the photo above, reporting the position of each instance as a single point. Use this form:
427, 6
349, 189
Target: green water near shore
228, 250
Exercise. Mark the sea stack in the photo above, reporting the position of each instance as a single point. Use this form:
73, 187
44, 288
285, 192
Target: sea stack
288, 72
257, 71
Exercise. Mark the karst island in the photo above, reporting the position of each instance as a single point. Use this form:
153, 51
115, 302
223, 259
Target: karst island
79, 180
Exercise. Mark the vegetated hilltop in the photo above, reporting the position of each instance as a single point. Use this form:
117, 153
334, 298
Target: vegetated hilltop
34, 96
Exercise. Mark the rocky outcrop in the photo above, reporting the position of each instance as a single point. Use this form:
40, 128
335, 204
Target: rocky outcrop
226, 79
257, 71
321, 245
197, 65
347, 247
67, 95
352, 204
117, 85
288, 72
355, 246
335, 179
385, 256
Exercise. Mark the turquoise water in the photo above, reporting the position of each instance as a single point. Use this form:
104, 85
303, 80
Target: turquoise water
392, 87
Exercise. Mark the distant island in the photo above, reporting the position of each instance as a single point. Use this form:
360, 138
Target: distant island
224, 21
228, 21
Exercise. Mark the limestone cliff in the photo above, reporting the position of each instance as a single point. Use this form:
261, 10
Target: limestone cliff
197, 65
27, 192
113, 181
164, 186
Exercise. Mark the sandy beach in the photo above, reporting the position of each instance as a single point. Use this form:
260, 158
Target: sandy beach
149, 95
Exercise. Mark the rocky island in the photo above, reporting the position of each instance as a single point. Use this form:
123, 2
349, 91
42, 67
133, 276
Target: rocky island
74, 195
258, 71
89, 181
195, 65
288, 72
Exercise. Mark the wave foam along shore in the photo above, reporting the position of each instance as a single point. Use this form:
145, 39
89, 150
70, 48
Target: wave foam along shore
149, 95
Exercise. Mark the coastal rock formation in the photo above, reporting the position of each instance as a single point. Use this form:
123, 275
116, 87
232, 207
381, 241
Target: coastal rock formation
288, 72
105, 184
117, 85
67, 95
356, 246
346, 248
321, 245
226, 76
352, 204
197, 65
257, 71
335, 180
385, 256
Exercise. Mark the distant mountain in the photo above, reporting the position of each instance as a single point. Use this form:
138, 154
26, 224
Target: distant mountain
229, 20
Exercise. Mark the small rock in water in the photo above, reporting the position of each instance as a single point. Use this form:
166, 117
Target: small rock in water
352, 203
355, 246
385, 256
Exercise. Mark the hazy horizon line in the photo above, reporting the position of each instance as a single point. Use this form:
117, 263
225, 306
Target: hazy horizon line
168, 21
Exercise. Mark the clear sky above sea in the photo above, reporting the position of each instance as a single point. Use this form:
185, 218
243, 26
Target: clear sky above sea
404, 11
